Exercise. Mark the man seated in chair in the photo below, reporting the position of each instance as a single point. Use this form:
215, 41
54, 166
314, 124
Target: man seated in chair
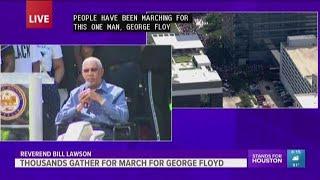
96, 101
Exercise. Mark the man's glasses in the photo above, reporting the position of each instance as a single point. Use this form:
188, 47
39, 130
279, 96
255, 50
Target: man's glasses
90, 69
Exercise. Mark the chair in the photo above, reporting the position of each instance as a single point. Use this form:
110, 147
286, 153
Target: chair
127, 76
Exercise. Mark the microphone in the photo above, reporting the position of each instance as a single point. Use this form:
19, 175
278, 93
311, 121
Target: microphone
86, 86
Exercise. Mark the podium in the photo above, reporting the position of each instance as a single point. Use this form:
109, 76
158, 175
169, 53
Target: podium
9, 102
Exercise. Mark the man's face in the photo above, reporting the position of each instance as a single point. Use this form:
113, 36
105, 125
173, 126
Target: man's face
92, 74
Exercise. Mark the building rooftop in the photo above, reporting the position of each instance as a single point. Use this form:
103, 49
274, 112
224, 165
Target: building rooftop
188, 41
305, 59
302, 37
307, 100
202, 60
188, 73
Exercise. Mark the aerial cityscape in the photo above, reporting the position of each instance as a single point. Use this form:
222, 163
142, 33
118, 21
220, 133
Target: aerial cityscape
244, 60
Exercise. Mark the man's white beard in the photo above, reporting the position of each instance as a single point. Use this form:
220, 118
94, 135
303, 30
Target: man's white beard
88, 84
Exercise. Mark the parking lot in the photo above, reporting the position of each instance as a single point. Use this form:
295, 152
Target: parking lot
282, 97
270, 97
264, 94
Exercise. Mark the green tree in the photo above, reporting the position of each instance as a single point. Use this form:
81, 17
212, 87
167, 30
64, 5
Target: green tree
214, 23
245, 100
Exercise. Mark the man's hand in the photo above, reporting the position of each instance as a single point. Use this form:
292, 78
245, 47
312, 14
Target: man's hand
84, 98
80, 106
88, 95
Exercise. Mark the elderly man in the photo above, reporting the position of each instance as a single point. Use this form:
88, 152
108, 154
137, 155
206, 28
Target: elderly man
101, 103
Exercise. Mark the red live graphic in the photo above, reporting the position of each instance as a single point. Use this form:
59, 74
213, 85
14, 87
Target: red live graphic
39, 14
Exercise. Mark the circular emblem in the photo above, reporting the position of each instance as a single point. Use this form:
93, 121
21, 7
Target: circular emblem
12, 103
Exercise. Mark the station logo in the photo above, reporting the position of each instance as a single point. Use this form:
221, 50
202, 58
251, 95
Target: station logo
12, 102
39, 14
296, 158
267, 158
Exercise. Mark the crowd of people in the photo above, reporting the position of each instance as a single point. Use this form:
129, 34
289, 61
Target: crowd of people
186, 28
193, 28
230, 70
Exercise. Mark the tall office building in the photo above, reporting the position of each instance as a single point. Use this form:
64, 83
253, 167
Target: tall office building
299, 69
249, 37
